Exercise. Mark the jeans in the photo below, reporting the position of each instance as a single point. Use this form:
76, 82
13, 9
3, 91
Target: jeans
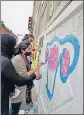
14, 109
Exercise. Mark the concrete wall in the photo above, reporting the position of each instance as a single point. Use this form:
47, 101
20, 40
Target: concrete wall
59, 94
44, 12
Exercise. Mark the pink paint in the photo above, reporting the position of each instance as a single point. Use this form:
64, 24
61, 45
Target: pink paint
65, 63
53, 59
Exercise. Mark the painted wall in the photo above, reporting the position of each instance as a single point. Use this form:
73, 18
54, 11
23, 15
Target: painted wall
60, 91
35, 57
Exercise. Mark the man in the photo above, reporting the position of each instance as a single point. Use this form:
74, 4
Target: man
9, 76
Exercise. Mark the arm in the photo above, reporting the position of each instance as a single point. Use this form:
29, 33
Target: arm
29, 73
32, 71
20, 68
11, 74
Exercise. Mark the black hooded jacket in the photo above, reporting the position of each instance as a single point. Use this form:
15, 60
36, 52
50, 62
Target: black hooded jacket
9, 76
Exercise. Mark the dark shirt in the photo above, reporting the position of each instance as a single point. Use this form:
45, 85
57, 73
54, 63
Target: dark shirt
9, 78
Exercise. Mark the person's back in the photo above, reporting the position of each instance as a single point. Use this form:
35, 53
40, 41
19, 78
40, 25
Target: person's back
6, 55
9, 76
6, 86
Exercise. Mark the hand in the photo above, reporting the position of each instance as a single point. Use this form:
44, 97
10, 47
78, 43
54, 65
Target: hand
39, 65
37, 47
37, 75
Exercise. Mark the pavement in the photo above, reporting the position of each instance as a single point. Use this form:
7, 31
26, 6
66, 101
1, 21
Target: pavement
26, 107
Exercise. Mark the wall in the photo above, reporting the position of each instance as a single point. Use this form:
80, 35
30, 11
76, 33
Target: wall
4, 31
44, 12
58, 94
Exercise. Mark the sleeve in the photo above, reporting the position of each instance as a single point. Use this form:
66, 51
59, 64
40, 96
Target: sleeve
19, 66
11, 74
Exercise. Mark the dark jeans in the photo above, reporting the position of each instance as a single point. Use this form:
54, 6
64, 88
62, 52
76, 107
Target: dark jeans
15, 108
28, 92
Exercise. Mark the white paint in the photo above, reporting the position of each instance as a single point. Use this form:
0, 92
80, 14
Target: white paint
75, 5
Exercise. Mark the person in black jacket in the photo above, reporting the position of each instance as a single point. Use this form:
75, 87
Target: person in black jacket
9, 76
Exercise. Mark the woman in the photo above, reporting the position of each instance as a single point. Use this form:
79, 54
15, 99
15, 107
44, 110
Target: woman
9, 76
30, 91
22, 66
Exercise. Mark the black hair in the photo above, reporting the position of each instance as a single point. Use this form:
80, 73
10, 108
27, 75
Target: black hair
23, 45
26, 37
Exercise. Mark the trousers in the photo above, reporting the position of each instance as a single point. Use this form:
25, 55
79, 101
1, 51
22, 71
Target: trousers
14, 109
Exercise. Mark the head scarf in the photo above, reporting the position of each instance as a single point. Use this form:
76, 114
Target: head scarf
8, 43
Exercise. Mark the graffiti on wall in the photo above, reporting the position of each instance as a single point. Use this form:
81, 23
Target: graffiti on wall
54, 58
35, 58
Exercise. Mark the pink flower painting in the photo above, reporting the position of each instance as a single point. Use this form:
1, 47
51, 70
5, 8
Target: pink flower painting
65, 63
53, 59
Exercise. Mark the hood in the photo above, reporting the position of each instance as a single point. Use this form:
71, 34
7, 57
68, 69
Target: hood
8, 43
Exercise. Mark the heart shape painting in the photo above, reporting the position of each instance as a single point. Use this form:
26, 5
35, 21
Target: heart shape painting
54, 59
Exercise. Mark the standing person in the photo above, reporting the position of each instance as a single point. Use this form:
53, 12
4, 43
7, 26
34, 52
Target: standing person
30, 92
21, 65
28, 37
9, 76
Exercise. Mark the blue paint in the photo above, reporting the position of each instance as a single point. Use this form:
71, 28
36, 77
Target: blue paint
73, 40
50, 95
48, 91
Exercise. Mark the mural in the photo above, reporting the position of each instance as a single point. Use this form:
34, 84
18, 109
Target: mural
60, 58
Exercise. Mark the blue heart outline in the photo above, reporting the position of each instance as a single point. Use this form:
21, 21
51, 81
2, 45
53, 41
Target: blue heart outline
48, 91
73, 40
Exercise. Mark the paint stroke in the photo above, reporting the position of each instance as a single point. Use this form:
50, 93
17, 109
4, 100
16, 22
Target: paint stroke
64, 60
53, 59
76, 47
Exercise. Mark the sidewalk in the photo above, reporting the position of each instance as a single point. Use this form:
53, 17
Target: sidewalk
26, 107
29, 109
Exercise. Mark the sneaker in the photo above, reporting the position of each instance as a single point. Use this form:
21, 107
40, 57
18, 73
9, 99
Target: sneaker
22, 112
